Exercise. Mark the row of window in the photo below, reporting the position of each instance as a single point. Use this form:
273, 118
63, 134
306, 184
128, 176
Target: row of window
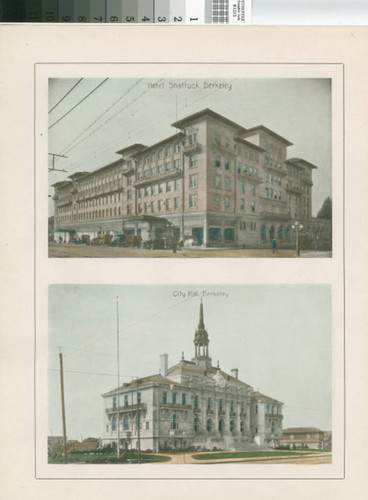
209, 402
272, 162
160, 205
274, 179
272, 193
244, 169
167, 167
252, 226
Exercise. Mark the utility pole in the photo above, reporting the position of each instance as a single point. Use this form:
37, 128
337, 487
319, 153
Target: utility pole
138, 426
63, 405
118, 375
53, 163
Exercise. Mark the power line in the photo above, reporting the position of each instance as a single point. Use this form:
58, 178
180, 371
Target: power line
102, 114
80, 102
66, 95
67, 150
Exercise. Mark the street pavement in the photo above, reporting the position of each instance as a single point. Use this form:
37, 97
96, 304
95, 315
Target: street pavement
84, 251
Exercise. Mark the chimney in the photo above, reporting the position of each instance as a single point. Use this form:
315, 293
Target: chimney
234, 373
164, 364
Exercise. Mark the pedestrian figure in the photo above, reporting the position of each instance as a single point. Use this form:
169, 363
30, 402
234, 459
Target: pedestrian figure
273, 245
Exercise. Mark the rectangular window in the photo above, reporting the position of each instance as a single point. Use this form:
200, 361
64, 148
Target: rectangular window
253, 206
209, 403
152, 206
160, 188
253, 188
173, 397
154, 171
145, 208
159, 205
129, 194
177, 147
227, 202
114, 405
160, 154
146, 193
238, 168
153, 189
177, 202
164, 397
195, 401
139, 397
126, 402
177, 185
193, 200
193, 161
242, 203
218, 161
245, 168
227, 182
160, 169
168, 167
218, 182
168, 204
140, 208
217, 200
193, 180
129, 209
177, 164
193, 139
227, 165
169, 151
168, 186
184, 399
220, 405
242, 187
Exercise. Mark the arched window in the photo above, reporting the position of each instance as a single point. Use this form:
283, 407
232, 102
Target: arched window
196, 424
281, 233
174, 421
264, 234
209, 425
126, 423
272, 232
232, 426
221, 426
242, 426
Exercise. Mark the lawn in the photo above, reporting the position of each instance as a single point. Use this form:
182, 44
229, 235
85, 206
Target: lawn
107, 458
251, 454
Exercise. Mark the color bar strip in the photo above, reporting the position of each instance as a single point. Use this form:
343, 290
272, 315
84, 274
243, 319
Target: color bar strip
145, 11
66, 13
162, 11
49, 11
113, 11
33, 11
81, 11
195, 12
97, 11
177, 11
129, 11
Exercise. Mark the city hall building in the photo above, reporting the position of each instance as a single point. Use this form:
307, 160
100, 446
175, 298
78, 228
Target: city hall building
191, 405
213, 181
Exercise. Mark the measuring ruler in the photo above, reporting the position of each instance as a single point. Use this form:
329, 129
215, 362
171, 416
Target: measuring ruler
187, 12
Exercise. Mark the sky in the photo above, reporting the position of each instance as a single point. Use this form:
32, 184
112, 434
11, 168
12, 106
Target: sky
122, 111
278, 336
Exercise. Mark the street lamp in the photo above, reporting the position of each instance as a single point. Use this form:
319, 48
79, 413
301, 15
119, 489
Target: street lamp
297, 226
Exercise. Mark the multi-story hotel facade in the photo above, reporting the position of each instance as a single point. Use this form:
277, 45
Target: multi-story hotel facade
191, 404
213, 181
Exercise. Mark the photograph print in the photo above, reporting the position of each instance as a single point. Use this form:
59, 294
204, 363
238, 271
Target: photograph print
181, 168
202, 374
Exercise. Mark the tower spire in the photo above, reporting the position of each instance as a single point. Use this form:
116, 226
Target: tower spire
201, 321
201, 341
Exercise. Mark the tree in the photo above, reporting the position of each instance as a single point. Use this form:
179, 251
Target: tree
325, 212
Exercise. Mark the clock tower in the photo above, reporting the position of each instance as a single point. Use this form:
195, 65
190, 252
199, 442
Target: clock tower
201, 341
